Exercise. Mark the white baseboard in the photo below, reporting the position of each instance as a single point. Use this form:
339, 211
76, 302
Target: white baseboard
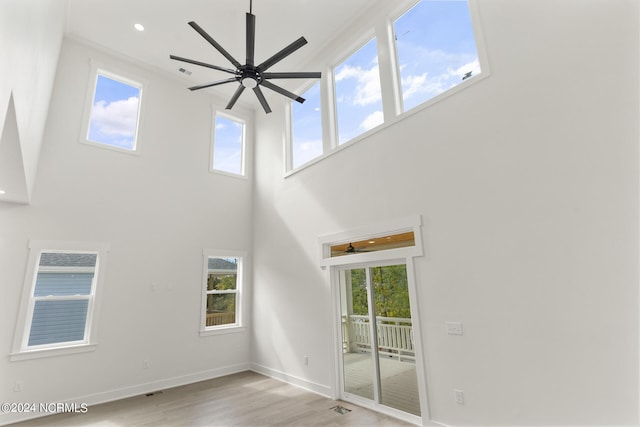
136, 390
320, 389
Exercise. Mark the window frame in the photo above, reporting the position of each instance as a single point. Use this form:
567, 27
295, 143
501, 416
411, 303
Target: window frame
289, 159
21, 350
368, 37
239, 324
122, 76
243, 162
380, 24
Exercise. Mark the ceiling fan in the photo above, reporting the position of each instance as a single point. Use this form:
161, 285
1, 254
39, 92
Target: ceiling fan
250, 75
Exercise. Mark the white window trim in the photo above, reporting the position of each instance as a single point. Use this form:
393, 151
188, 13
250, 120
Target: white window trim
245, 130
400, 225
117, 74
20, 350
389, 79
239, 326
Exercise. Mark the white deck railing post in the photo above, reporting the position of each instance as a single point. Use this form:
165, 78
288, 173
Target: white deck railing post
394, 336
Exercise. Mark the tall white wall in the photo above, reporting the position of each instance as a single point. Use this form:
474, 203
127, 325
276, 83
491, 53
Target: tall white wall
527, 183
30, 39
157, 211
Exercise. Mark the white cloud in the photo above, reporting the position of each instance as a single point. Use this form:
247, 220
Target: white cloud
306, 151
372, 120
413, 84
425, 84
367, 89
117, 118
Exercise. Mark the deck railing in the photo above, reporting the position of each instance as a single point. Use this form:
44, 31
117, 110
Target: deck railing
395, 336
215, 319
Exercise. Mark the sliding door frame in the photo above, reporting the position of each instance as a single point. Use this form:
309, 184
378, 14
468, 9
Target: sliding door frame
404, 256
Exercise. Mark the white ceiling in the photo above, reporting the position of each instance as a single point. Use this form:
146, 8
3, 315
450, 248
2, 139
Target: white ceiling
110, 24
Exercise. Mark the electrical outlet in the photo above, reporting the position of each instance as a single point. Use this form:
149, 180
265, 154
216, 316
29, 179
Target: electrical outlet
146, 364
18, 386
459, 396
306, 360
454, 328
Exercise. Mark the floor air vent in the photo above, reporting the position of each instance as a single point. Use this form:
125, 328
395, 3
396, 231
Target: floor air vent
341, 410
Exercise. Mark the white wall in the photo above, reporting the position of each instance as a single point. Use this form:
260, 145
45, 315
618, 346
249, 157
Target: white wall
157, 211
30, 39
528, 186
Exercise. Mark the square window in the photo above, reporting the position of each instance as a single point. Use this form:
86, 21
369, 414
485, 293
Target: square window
115, 110
436, 49
306, 128
358, 94
228, 145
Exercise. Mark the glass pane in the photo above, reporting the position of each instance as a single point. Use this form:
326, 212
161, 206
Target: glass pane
436, 49
58, 321
306, 124
398, 378
60, 259
114, 114
61, 284
227, 145
358, 94
356, 340
61, 274
381, 243
221, 309
223, 274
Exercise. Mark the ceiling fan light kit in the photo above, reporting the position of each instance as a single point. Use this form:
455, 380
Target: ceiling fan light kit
250, 75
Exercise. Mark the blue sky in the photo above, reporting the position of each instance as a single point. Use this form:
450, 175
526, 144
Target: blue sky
227, 148
307, 131
114, 113
436, 47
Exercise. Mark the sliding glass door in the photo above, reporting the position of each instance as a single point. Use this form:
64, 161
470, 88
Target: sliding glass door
378, 356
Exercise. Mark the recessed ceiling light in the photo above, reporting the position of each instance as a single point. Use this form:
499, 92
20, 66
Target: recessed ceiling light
3, 192
139, 27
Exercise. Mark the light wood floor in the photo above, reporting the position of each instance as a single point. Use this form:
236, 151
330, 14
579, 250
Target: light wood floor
243, 399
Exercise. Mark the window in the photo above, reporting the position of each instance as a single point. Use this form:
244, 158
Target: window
375, 243
222, 303
59, 302
421, 52
436, 49
114, 112
306, 128
357, 93
228, 145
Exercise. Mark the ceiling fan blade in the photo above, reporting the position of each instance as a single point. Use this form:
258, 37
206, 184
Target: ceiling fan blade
296, 75
202, 64
283, 54
262, 99
282, 91
235, 97
216, 83
251, 37
215, 44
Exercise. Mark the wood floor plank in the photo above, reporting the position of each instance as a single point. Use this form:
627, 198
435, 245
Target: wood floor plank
242, 399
